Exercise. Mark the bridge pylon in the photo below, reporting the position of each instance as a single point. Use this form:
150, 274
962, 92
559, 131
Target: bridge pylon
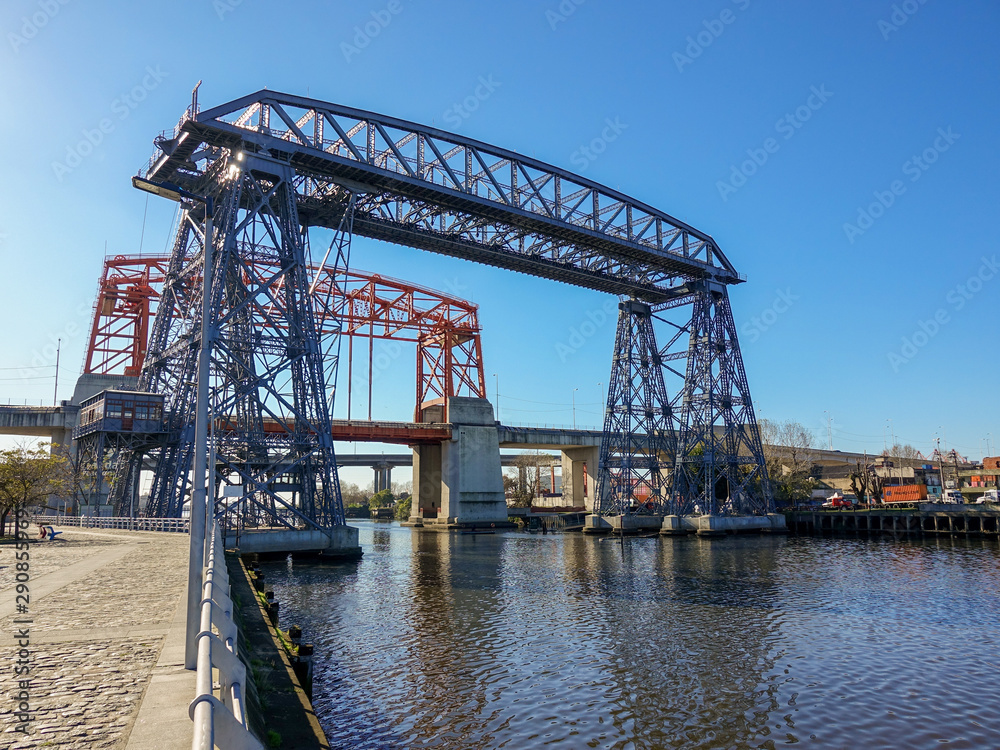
267, 366
638, 446
720, 467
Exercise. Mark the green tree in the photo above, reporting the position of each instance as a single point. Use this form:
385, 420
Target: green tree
382, 499
403, 508
28, 476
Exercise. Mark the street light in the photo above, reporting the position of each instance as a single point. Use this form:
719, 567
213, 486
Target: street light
574, 407
199, 505
496, 381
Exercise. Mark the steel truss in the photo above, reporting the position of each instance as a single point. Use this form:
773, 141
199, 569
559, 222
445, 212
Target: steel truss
428, 189
698, 450
638, 448
439, 191
363, 306
720, 464
260, 372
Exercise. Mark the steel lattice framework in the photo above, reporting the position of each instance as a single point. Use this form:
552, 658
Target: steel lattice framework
371, 307
358, 172
637, 453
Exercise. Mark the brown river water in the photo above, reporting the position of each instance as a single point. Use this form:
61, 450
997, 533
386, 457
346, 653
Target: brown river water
523, 641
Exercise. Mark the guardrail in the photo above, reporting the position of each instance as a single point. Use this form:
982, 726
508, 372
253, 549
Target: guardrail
219, 723
180, 525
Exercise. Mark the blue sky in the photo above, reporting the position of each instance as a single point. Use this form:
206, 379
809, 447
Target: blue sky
770, 126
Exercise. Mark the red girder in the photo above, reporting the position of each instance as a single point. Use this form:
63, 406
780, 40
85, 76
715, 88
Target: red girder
371, 306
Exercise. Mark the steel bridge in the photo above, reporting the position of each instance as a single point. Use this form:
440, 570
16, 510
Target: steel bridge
679, 419
366, 306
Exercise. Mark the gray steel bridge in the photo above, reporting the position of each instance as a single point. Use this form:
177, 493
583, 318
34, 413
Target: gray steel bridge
277, 164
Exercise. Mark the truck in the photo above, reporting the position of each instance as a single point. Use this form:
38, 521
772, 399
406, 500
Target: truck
990, 496
904, 493
953, 496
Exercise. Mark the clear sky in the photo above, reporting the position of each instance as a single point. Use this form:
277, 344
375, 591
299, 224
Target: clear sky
844, 155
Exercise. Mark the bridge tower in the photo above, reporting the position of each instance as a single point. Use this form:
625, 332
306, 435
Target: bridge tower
697, 451
268, 393
720, 467
638, 446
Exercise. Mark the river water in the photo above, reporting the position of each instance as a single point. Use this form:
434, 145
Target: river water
523, 641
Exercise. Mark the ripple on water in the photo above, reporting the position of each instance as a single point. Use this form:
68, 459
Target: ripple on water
524, 641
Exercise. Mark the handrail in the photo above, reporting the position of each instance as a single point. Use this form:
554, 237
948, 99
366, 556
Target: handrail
180, 525
219, 723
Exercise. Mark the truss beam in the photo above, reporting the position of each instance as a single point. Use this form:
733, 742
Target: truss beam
442, 192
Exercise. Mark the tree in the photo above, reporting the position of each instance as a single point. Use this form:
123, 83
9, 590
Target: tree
789, 456
866, 483
403, 508
78, 481
907, 452
353, 495
27, 477
522, 485
382, 499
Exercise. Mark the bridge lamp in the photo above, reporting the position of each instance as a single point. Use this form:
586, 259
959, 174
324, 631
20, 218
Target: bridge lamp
199, 503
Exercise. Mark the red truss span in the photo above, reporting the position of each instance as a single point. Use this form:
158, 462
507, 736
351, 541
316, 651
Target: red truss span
444, 328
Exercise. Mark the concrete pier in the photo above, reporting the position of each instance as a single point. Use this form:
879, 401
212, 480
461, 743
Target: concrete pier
680, 525
336, 542
459, 483
923, 519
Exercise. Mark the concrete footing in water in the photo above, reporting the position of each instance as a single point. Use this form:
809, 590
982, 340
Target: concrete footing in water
680, 525
334, 542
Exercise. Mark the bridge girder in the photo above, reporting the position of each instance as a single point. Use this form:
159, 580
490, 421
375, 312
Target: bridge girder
438, 191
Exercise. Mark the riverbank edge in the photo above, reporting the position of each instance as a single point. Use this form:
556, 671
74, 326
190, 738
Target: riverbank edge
289, 711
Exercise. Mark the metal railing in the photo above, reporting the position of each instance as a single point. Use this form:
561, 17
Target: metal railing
180, 525
221, 723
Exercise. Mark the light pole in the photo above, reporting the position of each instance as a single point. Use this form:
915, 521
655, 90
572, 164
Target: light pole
940, 467
196, 559
574, 407
892, 432
55, 391
829, 427
496, 382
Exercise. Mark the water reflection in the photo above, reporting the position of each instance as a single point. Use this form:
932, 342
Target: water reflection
522, 640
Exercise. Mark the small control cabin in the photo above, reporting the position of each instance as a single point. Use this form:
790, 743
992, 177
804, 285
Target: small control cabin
121, 411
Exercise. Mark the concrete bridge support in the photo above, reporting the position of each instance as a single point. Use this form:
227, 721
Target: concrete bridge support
383, 477
579, 485
459, 483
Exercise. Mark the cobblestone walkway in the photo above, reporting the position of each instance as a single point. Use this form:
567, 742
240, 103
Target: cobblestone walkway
100, 605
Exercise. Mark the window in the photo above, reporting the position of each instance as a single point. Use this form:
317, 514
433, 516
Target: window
114, 410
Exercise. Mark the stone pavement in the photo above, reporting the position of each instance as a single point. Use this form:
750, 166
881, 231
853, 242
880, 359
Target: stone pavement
106, 633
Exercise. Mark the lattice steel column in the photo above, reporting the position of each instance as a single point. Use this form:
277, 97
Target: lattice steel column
720, 462
637, 447
268, 394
